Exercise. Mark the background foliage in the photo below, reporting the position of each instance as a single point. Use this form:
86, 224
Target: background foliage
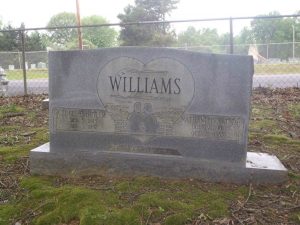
265, 31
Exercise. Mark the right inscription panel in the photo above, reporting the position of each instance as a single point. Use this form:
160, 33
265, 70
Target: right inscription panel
216, 127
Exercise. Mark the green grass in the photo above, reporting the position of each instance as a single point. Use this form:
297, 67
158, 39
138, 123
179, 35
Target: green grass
264, 121
264, 125
17, 145
295, 110
11, 108
265, 69
173, 202
262, 69
139, 200
261, 111
281, 141
30, 74
267, 126
14, 143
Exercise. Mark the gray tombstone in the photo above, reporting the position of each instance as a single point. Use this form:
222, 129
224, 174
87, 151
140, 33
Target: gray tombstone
3, 83
45, 104
11, 67
152, 111
41, 65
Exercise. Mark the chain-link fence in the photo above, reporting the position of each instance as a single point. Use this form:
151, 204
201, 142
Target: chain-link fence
36, 72
277, 65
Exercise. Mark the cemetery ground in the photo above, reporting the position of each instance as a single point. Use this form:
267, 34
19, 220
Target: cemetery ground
26, 199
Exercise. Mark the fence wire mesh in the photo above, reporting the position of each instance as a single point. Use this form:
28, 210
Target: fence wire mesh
36, 67
276, 65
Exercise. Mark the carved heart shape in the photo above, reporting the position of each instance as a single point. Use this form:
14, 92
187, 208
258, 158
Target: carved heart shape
134, 91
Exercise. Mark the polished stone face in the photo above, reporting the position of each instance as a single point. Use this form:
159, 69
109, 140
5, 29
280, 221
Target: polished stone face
154, 101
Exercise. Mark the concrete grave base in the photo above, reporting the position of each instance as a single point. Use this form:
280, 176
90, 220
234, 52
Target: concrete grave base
260, 168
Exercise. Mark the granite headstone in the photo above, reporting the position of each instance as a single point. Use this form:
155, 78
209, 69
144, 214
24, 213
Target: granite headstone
11, 67
33, 66
152, 111
41, 65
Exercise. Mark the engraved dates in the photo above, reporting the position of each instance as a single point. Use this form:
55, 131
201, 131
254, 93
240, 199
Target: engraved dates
143, 122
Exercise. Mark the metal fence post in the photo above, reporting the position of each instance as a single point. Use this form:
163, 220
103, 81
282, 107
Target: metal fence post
22, 32
231, 36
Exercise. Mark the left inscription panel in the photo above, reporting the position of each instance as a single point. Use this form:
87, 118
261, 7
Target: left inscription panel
78, 119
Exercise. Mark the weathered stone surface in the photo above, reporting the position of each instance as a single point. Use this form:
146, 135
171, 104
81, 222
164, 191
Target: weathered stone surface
110, 99
134, 109
261, 168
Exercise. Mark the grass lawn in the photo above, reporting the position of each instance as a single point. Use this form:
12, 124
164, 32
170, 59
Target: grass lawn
30, 74
265, 69
260, 69
274, 128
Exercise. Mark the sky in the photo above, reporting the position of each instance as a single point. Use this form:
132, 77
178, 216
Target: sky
36, 13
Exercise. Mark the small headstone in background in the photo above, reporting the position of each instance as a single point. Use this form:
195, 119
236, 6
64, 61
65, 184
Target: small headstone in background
11, 67
3, 83
45, 104
41, 65
32, 66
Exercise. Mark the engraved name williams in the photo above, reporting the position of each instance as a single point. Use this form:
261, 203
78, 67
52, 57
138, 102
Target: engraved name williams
145, 82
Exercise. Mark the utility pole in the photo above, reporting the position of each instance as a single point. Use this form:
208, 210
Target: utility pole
22, 33
79, 26
231, 35
293, 41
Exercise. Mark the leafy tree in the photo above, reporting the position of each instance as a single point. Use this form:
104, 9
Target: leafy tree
193, 37
136, 34
245, 37
35, 42
243, 41
61, 37
150, 34
276, 30
86, 43
159, 9
206, 39
9, 41
189, 37
98, 36
262, 31
268, 30
224, 43
92, 37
